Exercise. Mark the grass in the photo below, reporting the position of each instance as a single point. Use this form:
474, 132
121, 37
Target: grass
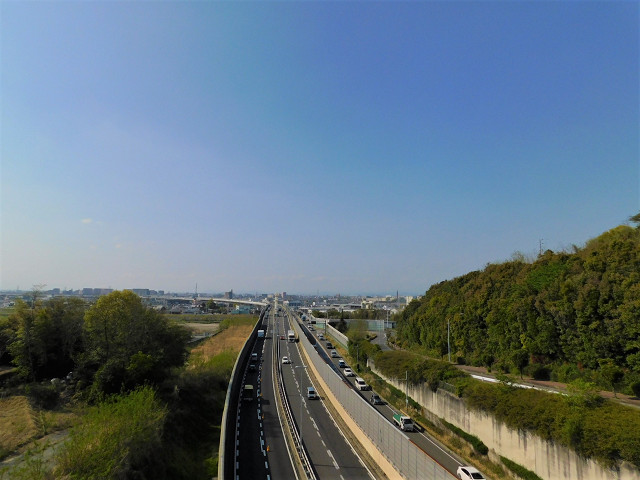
17, 423
231, 339
193, 318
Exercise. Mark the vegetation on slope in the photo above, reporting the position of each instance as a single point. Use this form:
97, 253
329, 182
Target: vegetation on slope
564, 316
149, 415
582, 421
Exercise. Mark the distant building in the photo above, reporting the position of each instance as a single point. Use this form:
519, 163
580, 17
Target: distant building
242, 309
228, 295
141, 292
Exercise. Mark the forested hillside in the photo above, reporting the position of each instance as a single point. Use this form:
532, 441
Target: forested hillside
564, 315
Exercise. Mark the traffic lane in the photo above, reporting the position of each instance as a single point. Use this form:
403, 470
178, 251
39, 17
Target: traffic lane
420, 438
249, 436
330, 453
432, 448
345, 460
295, 384
280, 462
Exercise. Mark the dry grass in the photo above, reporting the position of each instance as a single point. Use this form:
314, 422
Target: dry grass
201, 328
17, 423
232, 338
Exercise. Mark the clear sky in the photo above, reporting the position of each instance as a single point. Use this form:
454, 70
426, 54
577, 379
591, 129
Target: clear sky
339, 147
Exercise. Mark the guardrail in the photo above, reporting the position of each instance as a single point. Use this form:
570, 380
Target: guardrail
407, 458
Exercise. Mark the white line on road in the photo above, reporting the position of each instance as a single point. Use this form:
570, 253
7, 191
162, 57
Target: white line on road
335, 464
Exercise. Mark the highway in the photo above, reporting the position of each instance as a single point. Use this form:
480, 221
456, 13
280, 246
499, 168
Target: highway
261, 448
431, 447
330, 453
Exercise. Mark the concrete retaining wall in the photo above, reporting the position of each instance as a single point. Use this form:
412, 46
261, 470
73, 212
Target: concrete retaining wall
546, 459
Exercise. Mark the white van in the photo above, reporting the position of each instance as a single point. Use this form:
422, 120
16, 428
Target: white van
311, 393
361, 384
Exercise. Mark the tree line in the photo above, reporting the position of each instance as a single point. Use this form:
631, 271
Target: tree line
564, 316
116, 344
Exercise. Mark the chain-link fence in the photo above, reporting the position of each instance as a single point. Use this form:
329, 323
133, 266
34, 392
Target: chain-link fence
408, 459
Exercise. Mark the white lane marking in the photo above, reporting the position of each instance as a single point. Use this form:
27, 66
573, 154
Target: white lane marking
335, 464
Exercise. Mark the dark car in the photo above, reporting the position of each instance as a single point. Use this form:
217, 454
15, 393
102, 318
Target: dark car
329, 345
376, 400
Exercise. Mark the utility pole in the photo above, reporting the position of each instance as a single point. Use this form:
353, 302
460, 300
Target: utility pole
406, 390
449, 340
540, 247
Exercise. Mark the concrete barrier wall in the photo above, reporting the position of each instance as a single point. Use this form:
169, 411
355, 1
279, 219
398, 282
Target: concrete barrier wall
406, 458
546, 459
340, 337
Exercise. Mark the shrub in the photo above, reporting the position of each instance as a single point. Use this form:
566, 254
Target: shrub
43, 396
635, 388
477, 444
116, 438
519, 469
540, 372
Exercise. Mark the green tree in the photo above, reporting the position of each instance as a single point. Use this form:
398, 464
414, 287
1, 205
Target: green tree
611, 373
23, 345
520, 359
128, 343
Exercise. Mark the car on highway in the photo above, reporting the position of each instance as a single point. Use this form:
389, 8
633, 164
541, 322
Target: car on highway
329, 345
342, 363
334, 354
361, 384
376, 400
469, 473
311, 393
320, 336
348, 372
285, 360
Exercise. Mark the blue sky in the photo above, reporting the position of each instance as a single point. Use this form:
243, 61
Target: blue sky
339, 147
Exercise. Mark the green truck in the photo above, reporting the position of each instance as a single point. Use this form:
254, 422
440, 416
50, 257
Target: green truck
403, 422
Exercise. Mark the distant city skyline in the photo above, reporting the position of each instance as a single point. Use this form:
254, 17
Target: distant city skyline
309, 146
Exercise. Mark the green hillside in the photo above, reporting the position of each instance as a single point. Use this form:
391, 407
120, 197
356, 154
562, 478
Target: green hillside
563, 316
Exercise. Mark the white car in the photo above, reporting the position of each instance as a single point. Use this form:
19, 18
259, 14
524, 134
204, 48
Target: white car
349, 373
469, 473
285, 360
